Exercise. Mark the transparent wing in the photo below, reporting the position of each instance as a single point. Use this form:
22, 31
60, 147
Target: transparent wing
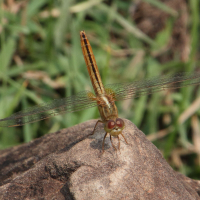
134, 89
74, 103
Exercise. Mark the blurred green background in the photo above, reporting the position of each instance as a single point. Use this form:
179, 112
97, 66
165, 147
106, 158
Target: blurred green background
41, 59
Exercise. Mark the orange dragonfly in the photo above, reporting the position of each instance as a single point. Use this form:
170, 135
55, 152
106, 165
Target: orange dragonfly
104, 97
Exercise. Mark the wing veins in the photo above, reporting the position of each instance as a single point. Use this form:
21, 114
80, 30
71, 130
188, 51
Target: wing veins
73, 103
138, 88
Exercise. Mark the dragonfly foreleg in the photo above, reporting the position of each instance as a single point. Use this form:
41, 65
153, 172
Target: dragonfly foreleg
118, 143
124, 138
112, 143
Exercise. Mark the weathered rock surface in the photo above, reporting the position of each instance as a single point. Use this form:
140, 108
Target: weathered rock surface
69, 165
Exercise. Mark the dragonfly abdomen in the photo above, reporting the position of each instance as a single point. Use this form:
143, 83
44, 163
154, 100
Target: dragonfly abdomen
91, 65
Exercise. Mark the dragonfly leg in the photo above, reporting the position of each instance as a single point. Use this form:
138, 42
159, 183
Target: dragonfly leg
95, 126
103, 142
124, 138
112, 143
118, 143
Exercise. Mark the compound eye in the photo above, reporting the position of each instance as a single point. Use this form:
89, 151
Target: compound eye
110, 124
119, 122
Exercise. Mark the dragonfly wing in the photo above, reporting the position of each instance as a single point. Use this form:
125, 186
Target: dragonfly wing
74, 103
135, 89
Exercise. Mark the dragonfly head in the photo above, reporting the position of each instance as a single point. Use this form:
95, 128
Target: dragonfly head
114, 127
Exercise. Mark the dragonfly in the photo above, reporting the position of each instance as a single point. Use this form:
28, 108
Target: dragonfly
104, 97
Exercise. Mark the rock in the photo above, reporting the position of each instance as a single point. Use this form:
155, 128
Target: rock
69, 165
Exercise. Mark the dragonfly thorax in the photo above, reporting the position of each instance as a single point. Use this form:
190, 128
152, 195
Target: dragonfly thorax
107, 108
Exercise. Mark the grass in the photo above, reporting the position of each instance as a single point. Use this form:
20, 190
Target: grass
41, 59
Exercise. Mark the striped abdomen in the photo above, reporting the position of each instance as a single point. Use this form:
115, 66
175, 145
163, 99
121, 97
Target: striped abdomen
91, 65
